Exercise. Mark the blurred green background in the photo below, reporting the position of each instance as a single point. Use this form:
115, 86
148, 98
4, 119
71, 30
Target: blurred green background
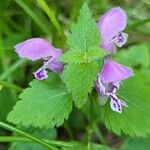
23, 19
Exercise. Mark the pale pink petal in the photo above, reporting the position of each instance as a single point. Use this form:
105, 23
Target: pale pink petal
35, 48
113, 72
111, 23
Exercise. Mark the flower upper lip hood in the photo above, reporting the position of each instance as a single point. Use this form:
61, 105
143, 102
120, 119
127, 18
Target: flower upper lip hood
37, 48
111, 23
114, 72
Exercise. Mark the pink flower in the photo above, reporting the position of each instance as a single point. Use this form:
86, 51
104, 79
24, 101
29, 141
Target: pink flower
38, 48
109, 80
111, 25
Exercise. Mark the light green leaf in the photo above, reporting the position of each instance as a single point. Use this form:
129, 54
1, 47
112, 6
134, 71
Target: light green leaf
44, 104
77, 57
73, 57
135, 55
84, 33
79, 79
135, 119
136, 144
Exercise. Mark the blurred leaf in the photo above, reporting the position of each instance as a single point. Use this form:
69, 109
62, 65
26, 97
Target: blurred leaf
135, 119
44, 104
34, 16
136, 144
44, 134
1, 86
79, 123
135, 55
6, 103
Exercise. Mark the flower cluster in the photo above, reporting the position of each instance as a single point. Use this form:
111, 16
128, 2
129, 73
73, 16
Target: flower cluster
111, 26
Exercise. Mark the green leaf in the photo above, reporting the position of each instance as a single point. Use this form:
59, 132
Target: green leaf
44, 104
135, 55
77, 57
44, 134
79, 79
135, 119
83, 42
136, 143
84, 34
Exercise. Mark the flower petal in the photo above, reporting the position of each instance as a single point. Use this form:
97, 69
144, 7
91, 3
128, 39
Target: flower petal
35, 48
113, 72
41, 74
111, 23
55, 66
107, 46
101, 89
115, 105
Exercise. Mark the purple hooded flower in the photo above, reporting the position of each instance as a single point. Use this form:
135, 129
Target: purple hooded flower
109, 80
111, 25
38, 48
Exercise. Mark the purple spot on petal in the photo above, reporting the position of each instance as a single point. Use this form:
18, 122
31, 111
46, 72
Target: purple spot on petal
114, 104
121, 39
41, 74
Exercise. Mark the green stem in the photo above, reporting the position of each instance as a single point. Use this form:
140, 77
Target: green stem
90, 129
12, 68
12, 86
99, 135
13, 129
23, 139
136, 24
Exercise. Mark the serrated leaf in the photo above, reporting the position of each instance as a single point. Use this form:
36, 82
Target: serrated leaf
79, 79
78, 57
135, 119
44, 104
84, 33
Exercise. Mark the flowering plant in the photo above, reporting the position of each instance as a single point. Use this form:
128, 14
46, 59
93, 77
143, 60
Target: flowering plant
88, 77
